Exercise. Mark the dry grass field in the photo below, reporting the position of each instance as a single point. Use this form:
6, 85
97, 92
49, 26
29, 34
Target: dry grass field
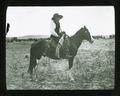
93, 68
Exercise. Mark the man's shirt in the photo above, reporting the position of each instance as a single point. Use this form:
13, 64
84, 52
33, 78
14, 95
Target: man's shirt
54, 28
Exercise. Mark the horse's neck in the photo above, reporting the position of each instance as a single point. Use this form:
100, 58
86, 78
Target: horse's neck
76, 39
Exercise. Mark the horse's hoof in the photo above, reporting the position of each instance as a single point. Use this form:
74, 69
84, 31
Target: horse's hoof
31, 78
72, 80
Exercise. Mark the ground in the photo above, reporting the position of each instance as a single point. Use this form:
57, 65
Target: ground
93, 68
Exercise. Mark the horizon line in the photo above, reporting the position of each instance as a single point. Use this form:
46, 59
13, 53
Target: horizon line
49, 35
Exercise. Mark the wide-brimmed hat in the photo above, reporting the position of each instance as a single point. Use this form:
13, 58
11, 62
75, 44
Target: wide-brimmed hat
56, 15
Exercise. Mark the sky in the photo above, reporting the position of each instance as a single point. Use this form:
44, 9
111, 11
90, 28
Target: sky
35, 20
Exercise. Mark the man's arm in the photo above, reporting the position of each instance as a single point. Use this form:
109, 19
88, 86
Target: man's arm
52, 27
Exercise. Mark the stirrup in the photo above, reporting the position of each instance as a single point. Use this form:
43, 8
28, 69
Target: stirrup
58, 57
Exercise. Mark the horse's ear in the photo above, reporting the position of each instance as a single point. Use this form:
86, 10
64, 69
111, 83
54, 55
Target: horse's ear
84, 26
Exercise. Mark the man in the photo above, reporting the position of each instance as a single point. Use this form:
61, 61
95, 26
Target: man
56, 32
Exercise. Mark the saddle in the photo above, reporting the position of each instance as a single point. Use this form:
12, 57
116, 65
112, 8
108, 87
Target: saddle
52, 44
55, 40
65, 46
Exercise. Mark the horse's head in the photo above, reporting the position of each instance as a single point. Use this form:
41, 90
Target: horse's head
86, 35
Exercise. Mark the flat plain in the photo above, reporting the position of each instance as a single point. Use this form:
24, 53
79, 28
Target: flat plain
93, 68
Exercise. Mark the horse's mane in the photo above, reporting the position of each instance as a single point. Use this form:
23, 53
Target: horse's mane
78, 32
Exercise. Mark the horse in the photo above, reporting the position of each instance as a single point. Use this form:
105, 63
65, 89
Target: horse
37, 49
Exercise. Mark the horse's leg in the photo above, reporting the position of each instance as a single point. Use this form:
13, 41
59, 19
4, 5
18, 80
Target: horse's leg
32, 67
69, 71
71, 62
32, 64
69, 74
35, 70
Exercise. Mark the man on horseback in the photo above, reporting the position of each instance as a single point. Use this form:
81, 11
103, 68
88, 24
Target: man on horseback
56, 33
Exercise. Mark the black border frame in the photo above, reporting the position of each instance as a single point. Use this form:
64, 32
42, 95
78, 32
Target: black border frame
3, 8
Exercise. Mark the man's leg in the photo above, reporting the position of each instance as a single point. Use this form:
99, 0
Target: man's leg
57, 53
61, 40
60, 43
